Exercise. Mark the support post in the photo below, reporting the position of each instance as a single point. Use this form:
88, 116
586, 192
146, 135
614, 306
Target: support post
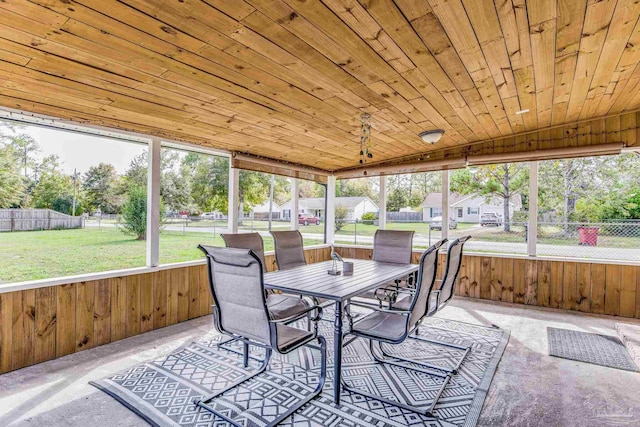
273, 183
294, 203
445, 204
532, 231
234, 199
382, 211
330, 212
153, 204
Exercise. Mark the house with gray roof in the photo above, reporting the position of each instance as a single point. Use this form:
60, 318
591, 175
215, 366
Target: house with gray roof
356, 207
468, 208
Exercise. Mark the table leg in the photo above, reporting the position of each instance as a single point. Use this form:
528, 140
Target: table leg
337, 353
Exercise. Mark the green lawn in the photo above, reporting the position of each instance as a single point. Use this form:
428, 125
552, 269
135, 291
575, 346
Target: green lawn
33, 255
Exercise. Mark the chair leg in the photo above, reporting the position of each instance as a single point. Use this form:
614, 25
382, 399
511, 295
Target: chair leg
204, 402
245, 355
427, 412
316, 392
222, 345
465, 349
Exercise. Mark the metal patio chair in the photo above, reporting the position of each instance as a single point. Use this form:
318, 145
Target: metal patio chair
446, 285
240, 310
395, 325
395, 247
280, 306
289, 249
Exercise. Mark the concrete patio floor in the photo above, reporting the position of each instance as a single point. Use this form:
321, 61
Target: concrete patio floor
530, 388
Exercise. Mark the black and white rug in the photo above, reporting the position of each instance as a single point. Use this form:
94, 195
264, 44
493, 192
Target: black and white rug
162, 391
586, 347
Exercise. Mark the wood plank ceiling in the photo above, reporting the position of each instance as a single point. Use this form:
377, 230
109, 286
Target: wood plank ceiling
288, 79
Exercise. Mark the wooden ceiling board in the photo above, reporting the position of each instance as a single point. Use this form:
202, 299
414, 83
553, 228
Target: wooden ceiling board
288, 79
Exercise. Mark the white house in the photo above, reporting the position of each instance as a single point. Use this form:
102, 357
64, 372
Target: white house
467, 208
262, 211
356, 207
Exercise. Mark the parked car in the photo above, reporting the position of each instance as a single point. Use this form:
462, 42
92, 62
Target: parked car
208, 215
436, 223
490, 218
305, 219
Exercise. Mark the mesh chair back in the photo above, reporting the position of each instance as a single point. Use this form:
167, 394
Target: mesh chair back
289, 249
236, 282
424, 285
454, 261
393, 246
251, 241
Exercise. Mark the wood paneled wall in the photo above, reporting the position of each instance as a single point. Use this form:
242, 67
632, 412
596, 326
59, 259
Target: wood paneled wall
581, 286
44, 323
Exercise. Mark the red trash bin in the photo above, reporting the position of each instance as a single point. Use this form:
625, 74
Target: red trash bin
588, 236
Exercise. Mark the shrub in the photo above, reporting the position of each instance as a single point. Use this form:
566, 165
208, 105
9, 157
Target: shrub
368, 218
341, 217
133, 220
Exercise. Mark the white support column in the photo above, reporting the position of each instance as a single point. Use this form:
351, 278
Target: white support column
532, 239
445, 204
382, 213
294, 203
153, 204
330, 212
234, 199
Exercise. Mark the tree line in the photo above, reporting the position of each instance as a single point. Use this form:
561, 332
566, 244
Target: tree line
582, 189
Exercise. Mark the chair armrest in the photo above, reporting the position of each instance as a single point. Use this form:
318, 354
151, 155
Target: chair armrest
302, 314
387, 294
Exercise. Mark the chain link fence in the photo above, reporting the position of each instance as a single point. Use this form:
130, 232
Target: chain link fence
611, 240
614, 240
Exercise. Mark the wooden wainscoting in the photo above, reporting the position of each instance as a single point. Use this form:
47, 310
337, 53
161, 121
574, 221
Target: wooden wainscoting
48, 322
588, 287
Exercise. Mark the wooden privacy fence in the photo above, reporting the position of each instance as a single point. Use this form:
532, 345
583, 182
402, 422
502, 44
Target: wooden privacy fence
588, 287
37, 219
49, 322
404, 216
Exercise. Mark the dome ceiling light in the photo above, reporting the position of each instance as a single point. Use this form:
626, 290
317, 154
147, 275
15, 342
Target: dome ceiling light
431, 136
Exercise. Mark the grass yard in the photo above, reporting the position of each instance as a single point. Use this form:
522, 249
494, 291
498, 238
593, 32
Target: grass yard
32, 255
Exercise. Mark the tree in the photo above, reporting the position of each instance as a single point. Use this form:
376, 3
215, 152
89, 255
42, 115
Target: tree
501, 181
25, 146
210, 184
341, 216
397, 198
209, 181
12, 184
310, 189
51, 188
358, 187
174, 188
134, 213
100, 185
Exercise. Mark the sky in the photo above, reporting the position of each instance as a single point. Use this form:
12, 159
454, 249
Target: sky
83, 151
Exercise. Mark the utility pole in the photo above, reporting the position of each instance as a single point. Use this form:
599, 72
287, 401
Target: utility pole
75, 186
271, 199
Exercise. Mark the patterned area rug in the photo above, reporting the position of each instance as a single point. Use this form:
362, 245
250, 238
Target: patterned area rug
586, 347
162, 391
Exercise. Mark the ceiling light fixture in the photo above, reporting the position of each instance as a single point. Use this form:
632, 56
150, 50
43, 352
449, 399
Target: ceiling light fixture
526, 110
431, 136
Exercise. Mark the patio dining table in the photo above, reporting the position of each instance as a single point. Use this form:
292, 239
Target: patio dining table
313, 280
